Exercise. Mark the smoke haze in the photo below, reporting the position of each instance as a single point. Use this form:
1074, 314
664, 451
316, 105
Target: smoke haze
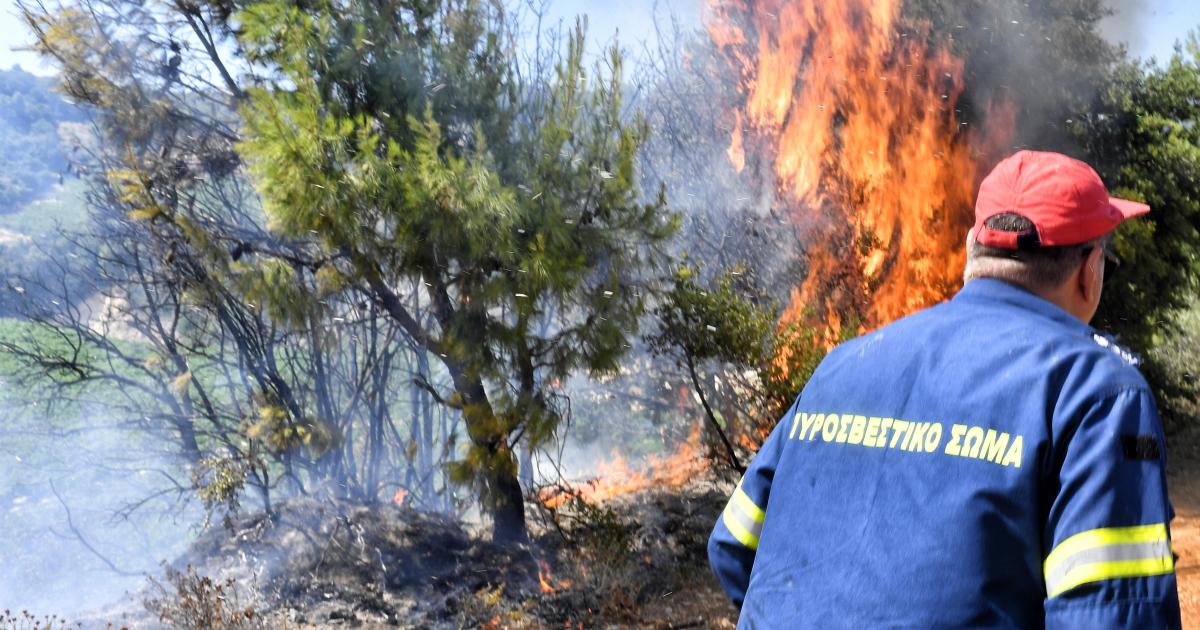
631, 22
87, 510
1127, 25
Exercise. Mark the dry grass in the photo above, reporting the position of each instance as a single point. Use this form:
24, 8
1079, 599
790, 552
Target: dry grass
25, 620
197, 602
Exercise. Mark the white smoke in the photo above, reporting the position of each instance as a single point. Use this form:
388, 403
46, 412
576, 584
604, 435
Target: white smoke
1127, 24
88, 509
635, 24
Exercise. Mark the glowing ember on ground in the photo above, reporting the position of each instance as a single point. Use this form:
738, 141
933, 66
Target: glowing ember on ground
547, 581
615, 477
856, 119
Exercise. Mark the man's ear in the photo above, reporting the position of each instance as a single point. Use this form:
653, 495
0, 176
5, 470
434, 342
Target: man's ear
1090, 276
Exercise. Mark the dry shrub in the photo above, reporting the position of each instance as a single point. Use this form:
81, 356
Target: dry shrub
605, 562
488, 608
25, 620
197, 602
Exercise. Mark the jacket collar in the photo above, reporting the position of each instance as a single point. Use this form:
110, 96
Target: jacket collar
1000, 292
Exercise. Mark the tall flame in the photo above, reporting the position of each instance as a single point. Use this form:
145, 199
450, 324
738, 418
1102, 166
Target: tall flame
856, 118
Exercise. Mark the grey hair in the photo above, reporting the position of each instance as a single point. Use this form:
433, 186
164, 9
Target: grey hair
1037, 268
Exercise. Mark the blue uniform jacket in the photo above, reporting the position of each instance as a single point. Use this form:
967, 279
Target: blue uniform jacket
990, 462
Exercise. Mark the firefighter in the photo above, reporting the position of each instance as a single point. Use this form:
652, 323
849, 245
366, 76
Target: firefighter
990, 462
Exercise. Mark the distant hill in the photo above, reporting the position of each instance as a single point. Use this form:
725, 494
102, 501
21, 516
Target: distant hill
32, 156
33, 162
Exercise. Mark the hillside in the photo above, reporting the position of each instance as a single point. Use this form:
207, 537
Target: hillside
32, 157
38, 194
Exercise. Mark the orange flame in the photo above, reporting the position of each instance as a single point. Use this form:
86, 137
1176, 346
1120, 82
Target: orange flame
546, 580
857, 121
616, 477
400, 496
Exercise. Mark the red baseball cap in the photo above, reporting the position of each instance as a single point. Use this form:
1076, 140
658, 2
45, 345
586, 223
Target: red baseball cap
1063, 197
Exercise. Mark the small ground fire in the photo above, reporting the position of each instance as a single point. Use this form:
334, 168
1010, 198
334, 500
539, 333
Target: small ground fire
615, 477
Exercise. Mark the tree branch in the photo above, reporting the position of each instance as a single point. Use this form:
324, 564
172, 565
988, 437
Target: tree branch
84, 542
733, 459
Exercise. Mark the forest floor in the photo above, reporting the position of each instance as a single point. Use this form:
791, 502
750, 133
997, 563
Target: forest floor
633, 562
1184, 482
1186, 542
637, 561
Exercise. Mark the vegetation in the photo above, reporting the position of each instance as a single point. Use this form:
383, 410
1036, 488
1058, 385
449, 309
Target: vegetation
178, 312
1179, 355
1143, 134
511, 201
388, 253
197, 602
33, 157
24, 620
35, 163
1135, 122
426, 199
734, 325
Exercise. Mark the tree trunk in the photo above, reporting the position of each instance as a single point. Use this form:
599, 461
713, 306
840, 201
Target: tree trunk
505, 501
507, 507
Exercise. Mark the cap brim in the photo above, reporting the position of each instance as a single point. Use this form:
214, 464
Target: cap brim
1128, 209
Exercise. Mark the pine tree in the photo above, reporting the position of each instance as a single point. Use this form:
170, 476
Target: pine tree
408, 141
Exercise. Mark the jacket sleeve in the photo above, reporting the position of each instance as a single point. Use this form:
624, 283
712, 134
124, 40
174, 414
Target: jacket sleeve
734, 541
1107, 543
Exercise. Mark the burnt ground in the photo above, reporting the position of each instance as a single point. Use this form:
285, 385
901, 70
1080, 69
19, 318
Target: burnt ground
635, 562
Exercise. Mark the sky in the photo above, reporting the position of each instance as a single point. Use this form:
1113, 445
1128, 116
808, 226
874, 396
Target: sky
1148, 27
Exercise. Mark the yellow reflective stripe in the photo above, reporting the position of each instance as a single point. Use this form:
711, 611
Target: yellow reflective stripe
738, 530
1102, 537
744, 518
1112, 570
1108, 553
747, 505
